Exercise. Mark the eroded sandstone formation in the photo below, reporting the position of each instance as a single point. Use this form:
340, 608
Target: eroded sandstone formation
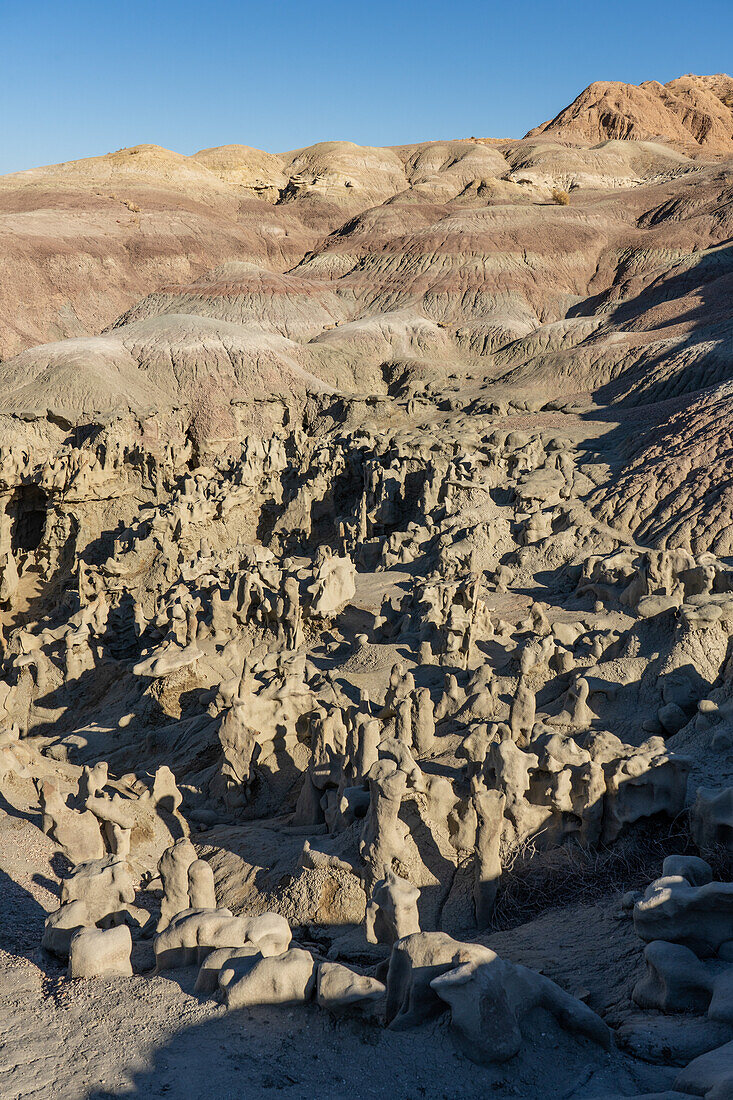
381, 610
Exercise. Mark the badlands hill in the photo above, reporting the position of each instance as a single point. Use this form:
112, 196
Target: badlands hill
339, 268
80, 242
693, 111
366, 604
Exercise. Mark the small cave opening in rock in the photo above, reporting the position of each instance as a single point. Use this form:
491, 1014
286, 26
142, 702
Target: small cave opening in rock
27, 509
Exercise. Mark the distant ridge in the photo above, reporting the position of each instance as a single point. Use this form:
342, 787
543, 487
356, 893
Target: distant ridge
82, 242
692, 111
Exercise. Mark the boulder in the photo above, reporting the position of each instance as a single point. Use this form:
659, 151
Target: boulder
491, 1002
100, 953
281, 979
338, 988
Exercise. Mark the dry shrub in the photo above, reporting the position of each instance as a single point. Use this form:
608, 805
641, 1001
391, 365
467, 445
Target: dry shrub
560, 197
534, 881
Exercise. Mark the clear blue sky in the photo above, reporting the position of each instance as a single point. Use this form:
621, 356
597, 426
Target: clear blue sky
84, 77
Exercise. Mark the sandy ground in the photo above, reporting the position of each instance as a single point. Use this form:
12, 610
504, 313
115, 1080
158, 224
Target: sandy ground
150, 1036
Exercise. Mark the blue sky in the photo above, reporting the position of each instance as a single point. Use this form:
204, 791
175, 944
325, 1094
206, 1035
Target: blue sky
81, 78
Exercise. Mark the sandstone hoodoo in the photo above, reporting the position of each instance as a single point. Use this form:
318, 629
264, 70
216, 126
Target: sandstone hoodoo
366, 604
